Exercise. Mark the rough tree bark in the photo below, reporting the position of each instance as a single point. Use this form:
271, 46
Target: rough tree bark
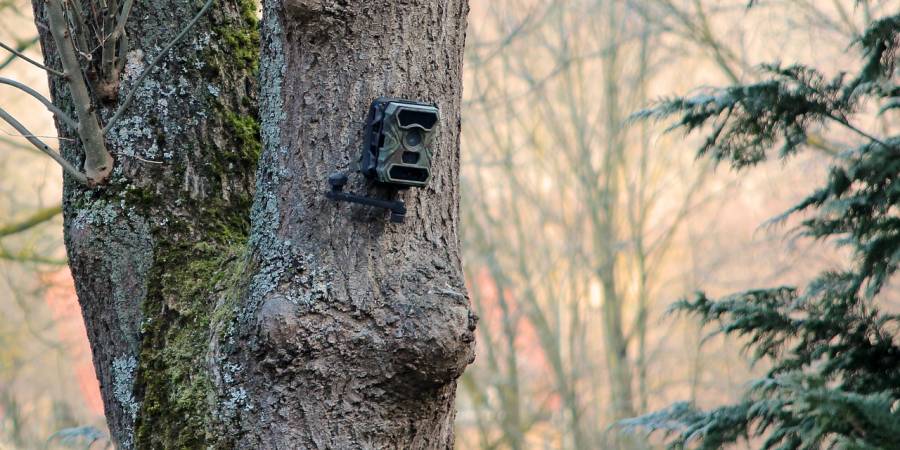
232, 308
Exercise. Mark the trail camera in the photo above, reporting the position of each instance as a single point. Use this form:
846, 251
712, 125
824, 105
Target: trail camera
398, 143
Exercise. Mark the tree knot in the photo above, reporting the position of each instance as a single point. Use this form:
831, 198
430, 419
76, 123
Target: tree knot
322, 12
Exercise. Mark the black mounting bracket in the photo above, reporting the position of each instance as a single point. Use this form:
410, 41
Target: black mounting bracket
339, 180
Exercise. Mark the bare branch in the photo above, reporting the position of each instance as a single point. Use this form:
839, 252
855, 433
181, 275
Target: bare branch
38, 217
80, 35
29, 60
123, 49
42, 136
15, 144
123, 17
108, 58
116, 43
98, 162
68, 167
27, 257
56, 111
21, 48
137, 84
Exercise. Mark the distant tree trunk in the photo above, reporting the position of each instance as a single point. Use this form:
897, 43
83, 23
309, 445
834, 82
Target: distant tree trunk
231, 307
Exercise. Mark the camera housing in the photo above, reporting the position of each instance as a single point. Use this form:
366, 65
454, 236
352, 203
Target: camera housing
398, 142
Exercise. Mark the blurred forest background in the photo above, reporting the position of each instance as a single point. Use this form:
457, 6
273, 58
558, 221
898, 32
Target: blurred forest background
580, 226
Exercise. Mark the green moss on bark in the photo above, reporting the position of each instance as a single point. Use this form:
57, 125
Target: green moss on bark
200, 260
239, 40
241, 43
195, 289
245, 131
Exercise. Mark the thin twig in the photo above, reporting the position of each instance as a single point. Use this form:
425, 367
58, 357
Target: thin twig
33, 62
141, 159
843, 121
68, 167
42, 136
56, 111
152, 66
123, 51
79, 35
21, 47
16, 144
114, 59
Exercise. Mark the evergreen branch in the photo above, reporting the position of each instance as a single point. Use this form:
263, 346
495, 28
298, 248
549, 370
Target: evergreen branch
880, 44
890, 105
713, 429
834, 375
843, 121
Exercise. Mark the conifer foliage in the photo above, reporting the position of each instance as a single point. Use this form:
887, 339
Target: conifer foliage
834, 380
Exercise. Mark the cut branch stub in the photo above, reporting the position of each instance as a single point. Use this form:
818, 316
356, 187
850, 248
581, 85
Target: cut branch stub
98, 162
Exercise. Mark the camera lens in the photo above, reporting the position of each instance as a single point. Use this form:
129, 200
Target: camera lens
413, 138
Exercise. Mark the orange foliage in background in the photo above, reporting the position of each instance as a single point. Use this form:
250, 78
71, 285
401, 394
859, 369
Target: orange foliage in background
63, 305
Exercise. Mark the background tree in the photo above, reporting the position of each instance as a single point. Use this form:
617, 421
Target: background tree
567, 255
833, 380
234, 310
46, 374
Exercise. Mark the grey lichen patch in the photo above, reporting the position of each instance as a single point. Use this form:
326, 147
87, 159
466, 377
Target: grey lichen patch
168, 91
122, 234
123, 369
158, 255
276, 255
134, 64
233, 398
237, 400
272, 69
278, 262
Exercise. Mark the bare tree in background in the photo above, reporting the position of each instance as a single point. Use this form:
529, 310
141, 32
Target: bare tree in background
569, 242
39, 358
235, 308
578, 225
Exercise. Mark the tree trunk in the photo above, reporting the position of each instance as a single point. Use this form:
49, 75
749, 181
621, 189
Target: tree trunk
299, 322
354, 329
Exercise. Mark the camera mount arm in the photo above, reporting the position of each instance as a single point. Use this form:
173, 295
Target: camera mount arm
339, 180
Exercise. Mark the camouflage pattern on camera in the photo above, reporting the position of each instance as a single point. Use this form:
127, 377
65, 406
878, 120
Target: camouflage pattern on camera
402, 135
